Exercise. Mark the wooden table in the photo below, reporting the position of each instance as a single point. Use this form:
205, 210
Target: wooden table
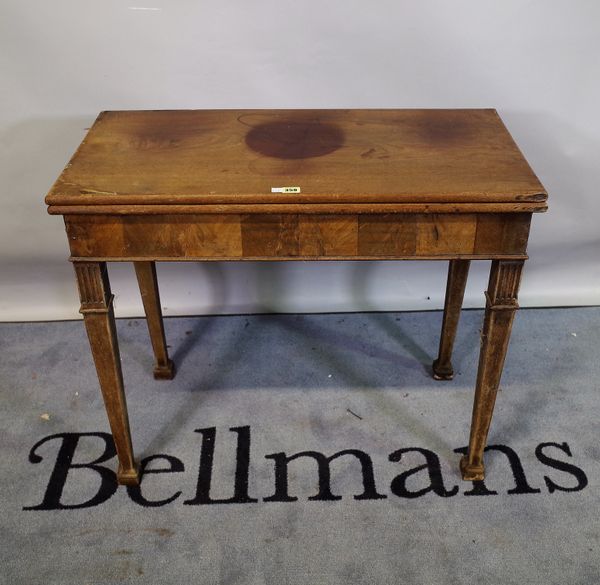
146, 186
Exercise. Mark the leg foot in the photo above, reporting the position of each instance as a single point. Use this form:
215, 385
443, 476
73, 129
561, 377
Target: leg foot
129, 476
442, 372
471, 472
166, 372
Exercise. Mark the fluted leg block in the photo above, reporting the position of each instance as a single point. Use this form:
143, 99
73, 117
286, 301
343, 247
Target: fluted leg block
164, 368
98, 316
501, 306
458, 272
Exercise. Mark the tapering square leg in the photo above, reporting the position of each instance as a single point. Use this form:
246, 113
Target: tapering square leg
458, 271
99, 319
164, 368
501, 305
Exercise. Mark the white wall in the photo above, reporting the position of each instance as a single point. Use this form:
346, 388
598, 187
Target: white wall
61, 62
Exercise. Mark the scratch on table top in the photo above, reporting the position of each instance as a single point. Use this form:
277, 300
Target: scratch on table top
97, 192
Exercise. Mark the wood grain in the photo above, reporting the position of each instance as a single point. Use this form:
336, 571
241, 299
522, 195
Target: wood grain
449, 234
226, 157
290, 236
300, 208
388, 235
270, 235
327, 235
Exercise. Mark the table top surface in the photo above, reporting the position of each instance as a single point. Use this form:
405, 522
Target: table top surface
333, 156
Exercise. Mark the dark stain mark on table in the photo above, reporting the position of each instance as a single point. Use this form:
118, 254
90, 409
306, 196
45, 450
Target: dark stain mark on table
295, 139
445, 130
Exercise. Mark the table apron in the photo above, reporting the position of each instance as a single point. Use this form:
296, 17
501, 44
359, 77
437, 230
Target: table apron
390, 236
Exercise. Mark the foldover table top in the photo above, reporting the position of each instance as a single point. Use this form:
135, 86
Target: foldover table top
206, 160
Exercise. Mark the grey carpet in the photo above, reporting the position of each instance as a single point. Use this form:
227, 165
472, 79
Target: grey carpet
294, 383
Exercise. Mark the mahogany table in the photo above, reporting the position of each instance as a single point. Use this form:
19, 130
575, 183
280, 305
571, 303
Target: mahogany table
147, 186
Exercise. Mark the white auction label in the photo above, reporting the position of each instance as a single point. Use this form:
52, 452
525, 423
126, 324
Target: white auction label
285, 189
